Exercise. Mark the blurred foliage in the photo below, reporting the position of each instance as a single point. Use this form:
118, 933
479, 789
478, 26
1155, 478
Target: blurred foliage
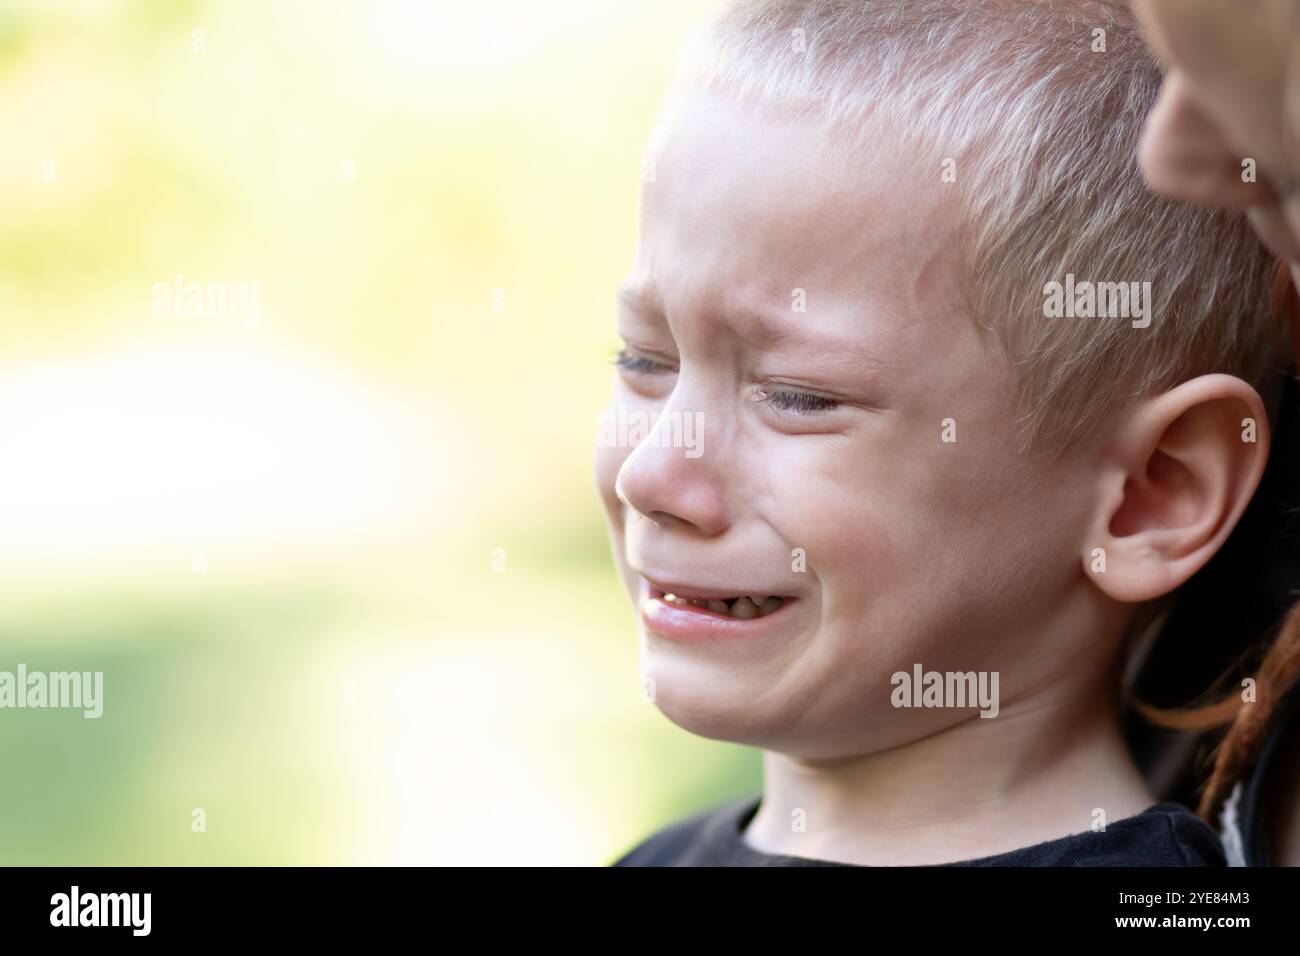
287, 576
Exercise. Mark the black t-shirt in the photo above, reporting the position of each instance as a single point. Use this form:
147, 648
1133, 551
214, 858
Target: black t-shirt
1166, 834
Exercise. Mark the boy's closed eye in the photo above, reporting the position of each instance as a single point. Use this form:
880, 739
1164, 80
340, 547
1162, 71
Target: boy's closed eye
784, 400
641, 364
797, 403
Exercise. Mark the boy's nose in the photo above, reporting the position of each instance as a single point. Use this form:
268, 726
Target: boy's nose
669, 485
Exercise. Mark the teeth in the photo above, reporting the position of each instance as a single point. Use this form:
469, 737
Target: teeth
743, 608
691, 602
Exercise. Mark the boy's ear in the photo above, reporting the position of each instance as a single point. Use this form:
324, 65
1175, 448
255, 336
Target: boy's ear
1178, 475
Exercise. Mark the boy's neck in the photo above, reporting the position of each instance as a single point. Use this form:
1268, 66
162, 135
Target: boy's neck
1036, 772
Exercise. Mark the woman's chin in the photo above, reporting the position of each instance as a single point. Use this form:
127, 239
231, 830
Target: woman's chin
1275, 232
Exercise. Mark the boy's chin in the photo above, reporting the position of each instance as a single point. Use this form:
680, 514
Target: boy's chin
702, 706
707, 705
707, 708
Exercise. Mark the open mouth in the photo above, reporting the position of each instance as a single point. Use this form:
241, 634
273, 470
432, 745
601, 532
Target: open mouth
742, 607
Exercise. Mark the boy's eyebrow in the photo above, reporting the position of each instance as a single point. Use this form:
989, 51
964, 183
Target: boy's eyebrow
763, 328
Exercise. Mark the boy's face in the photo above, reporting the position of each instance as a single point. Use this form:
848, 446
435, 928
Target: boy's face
956, 555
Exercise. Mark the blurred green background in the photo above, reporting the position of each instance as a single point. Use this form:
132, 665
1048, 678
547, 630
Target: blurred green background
341, 562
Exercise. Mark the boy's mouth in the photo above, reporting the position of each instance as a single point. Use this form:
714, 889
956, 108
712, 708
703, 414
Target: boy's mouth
739, 606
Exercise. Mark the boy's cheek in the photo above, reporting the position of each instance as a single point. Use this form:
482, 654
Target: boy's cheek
843, 523
889, 519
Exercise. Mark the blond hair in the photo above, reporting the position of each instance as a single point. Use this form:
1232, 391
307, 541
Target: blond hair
1036, 107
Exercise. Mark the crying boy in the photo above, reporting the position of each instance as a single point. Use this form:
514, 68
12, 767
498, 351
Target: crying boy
855, 213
